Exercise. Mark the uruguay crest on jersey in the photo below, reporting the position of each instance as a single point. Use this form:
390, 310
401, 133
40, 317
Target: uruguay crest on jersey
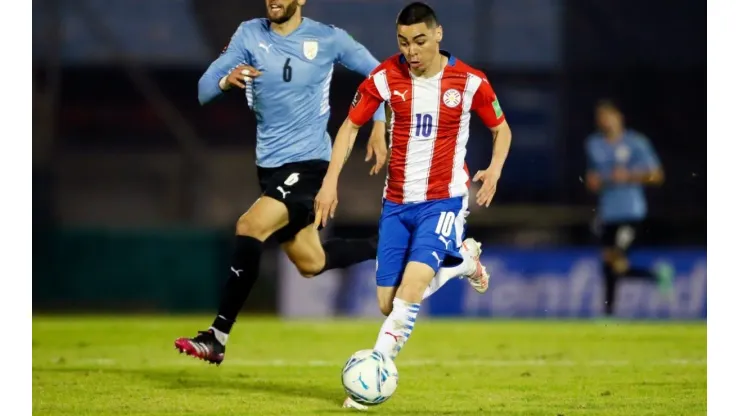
310, 49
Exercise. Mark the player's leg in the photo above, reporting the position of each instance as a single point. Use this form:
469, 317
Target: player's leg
385, 296
470, 268
393, 247
313, 257
401, 315
266, 216
394, 240
626, 235
450, 230
299, 239
618, 239
397, 327
431, 248
469, 250
610, 279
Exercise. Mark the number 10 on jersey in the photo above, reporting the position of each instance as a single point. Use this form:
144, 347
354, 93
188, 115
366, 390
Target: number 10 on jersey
424, 124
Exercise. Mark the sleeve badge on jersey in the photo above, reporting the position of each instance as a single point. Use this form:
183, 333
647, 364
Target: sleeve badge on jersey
357, 99
497, 108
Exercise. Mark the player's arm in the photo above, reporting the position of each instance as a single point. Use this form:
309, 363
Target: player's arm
593, 179
225, 71
649, 170
364, 105
487, 106
355, 57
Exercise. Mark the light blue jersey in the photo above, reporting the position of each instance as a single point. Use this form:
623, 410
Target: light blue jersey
291, 97
621, 202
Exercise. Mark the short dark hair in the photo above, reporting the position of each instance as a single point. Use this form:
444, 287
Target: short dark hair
417, 12
607, 104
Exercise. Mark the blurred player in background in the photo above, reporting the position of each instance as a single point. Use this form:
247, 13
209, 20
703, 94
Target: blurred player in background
284, 64
431, 94
620, 163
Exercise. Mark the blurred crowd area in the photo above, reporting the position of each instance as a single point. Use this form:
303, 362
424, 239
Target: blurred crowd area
120, 140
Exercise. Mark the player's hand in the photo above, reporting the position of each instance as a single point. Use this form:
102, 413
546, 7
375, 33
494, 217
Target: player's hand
325, 204
621, 175
593, 182
489, 179
237, 77
376, 146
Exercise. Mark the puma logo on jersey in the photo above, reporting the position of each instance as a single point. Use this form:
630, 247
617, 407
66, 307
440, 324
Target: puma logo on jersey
403, 96
283, 191
265, 47
236, 272
444, 241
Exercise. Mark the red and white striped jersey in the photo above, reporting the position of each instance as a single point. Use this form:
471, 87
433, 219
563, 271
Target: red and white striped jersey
429, 127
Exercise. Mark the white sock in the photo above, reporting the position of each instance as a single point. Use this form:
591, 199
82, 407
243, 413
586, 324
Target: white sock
221, 337
446, 273
397, 327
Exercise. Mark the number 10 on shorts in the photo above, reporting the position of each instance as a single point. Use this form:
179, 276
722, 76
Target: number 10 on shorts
445, 223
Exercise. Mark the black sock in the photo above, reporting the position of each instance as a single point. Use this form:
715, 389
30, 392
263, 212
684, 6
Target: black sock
243, 272
610, 288
341, 253
640, 273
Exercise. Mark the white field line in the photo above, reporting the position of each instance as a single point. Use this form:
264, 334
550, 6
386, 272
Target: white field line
188, 361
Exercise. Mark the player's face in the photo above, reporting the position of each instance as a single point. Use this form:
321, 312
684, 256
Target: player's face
608, 119
419, 44
280, 11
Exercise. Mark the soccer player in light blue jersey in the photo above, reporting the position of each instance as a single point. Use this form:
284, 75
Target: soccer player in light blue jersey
621, 162
284, 65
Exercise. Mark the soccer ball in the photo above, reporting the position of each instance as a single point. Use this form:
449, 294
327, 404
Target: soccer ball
369, 377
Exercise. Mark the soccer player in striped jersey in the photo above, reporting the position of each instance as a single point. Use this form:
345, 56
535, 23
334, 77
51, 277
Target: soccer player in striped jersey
431, 94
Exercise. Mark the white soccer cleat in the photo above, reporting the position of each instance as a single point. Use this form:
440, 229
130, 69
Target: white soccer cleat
479, 278
351, 404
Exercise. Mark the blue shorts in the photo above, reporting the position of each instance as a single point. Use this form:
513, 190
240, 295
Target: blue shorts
427, 232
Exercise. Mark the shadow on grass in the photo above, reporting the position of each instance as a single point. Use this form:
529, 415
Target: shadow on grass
241, 383
186, 380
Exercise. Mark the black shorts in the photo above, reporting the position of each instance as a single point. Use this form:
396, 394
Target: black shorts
620, 235
296, 185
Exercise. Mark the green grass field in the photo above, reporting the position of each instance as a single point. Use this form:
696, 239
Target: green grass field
128, 366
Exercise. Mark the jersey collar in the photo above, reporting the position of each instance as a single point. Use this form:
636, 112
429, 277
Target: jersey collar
268, 28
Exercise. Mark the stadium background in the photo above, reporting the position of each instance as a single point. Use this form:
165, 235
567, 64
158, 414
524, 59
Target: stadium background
136, 188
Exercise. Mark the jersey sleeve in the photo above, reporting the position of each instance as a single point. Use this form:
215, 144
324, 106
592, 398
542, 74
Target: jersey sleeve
646, 157
366, 103
355, 57
486, 105
591, 163
233, 55
352, 55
